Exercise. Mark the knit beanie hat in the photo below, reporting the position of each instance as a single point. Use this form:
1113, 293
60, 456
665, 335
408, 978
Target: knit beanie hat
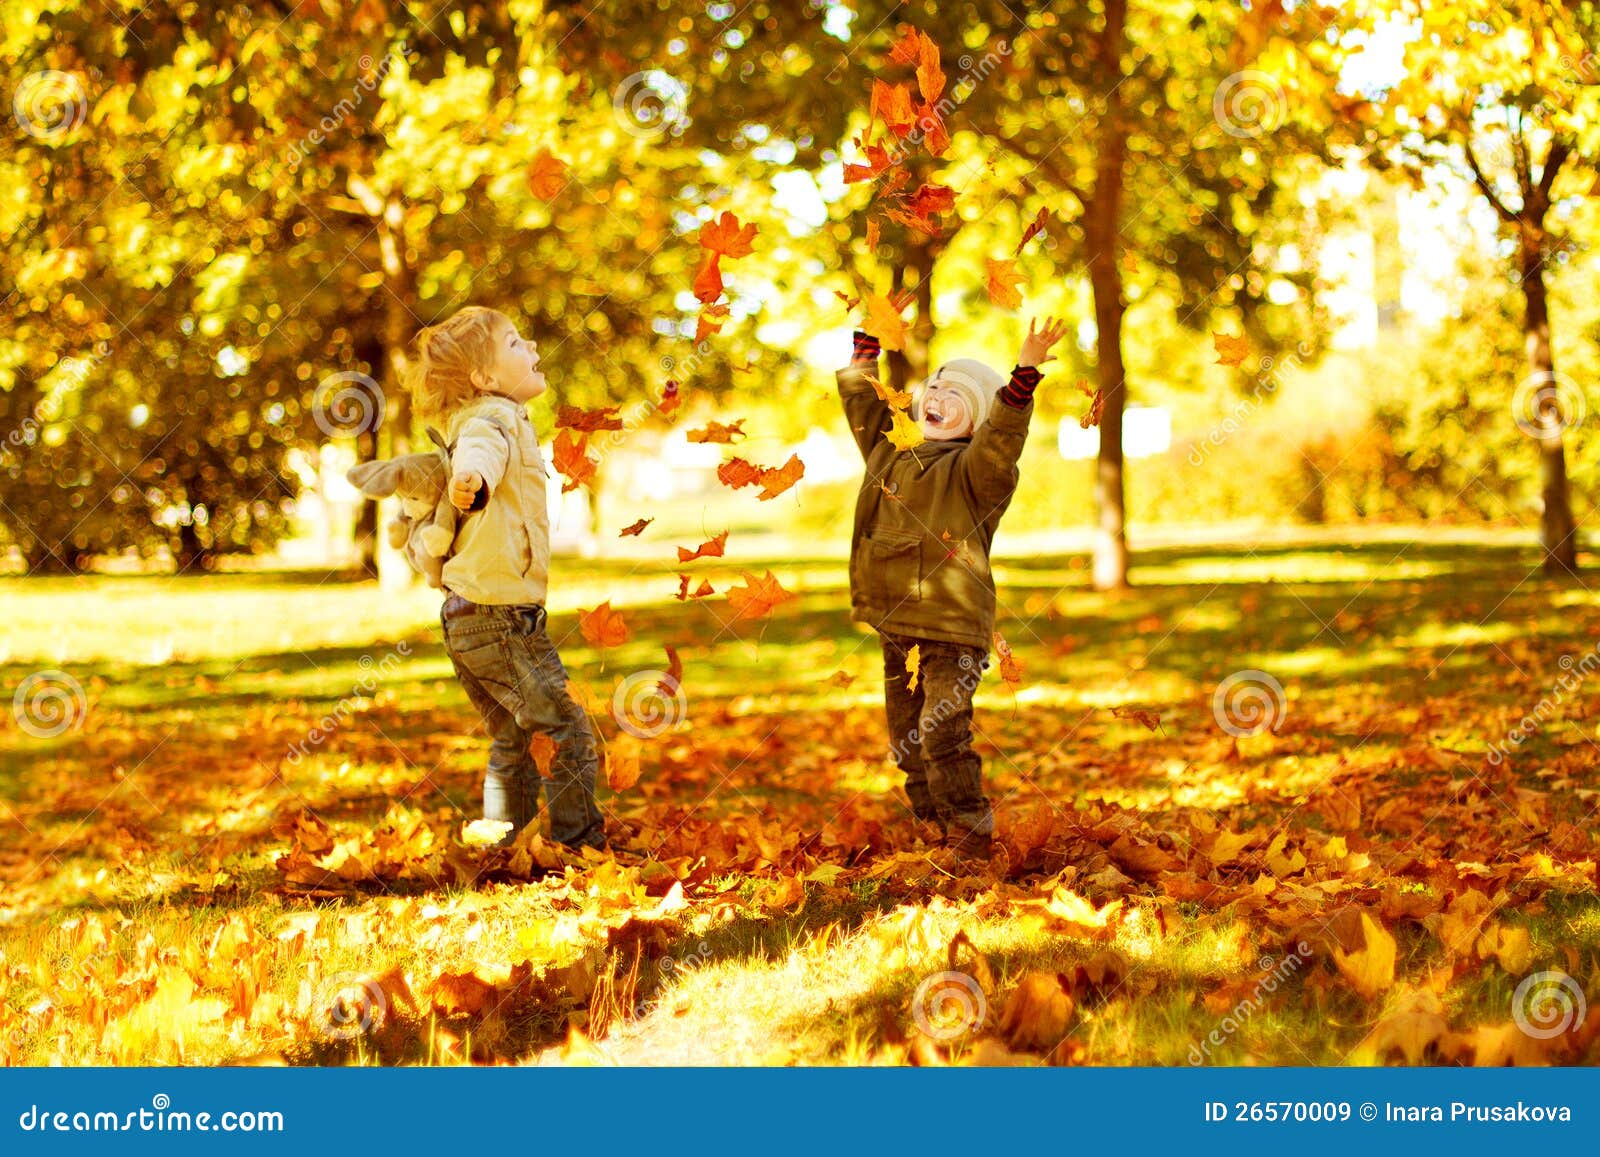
974, 381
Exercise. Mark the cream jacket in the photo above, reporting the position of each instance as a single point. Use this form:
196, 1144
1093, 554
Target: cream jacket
502, 552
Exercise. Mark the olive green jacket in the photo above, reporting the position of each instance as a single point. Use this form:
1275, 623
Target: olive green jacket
919, 552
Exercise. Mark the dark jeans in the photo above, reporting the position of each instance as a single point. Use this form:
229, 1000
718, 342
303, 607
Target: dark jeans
930, 731
514, 677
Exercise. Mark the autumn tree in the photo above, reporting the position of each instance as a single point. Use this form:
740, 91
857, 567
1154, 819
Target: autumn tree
1504, 92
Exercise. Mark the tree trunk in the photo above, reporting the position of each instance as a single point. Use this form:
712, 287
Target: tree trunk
1102, 214
1558, 530
394, 436
370, 351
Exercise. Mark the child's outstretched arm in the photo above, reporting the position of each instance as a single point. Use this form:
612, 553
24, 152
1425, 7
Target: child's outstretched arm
989, 465
478, 463
867, 412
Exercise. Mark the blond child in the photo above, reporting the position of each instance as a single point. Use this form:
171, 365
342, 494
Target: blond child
478, 372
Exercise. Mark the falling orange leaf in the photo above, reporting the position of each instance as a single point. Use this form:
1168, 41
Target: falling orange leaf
1231, 348
571, 458
700, 591
717, 432
671, 395
1033, 230
1092, 417
708, 282
547, 176
623, 755
543, 750
588, 421
725, 236
758, 596
737, 473
711, 548
884, 323
603, 626
1001, 280
636, 529
776, 479
1010, 667
710, 322
904, 433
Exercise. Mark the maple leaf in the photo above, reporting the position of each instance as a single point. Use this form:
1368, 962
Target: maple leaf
892, 102
700, 592
543, 750
1010, 667
897, 399
930, 77
907, 49
673, 679
725, 236
1231, 348
737, 473
547, 176
1096, 405
1033, 230
1370, 970
872, 241
717, 432
758, 597
636, 529
708, 282
913, 666
878, 163
884, 323
571, 458
710, 322
1037, 1013
904, 433
588, 421
1001, 280
774, 480
710, 548
849, 302
603, 626
623, 755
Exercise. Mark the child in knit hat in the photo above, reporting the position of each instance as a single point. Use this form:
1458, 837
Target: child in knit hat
919, 563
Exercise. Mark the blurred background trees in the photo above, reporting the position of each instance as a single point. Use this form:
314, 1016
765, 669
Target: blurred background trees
222, 225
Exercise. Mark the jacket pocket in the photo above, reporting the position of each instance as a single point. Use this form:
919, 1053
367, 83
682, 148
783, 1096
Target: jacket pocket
893, 569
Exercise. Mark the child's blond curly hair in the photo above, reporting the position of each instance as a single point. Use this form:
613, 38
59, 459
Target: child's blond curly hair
440, 375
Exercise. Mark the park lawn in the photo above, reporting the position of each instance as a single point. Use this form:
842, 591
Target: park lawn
247, 848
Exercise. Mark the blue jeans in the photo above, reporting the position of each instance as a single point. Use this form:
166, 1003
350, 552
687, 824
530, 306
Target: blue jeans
514, 677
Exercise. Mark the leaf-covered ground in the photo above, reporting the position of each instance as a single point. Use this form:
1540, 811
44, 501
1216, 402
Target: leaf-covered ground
248, 845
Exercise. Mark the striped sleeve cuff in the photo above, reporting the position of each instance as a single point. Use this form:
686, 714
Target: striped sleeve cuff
1018, 392
866, 349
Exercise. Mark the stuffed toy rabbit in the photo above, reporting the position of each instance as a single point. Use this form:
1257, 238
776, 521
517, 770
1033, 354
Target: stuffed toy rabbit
426, 526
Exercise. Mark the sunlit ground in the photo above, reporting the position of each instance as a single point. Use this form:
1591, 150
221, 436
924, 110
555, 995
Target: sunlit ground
793, 915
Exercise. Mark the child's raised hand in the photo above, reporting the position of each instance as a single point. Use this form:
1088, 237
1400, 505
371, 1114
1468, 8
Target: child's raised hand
1036, 345
464, 488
